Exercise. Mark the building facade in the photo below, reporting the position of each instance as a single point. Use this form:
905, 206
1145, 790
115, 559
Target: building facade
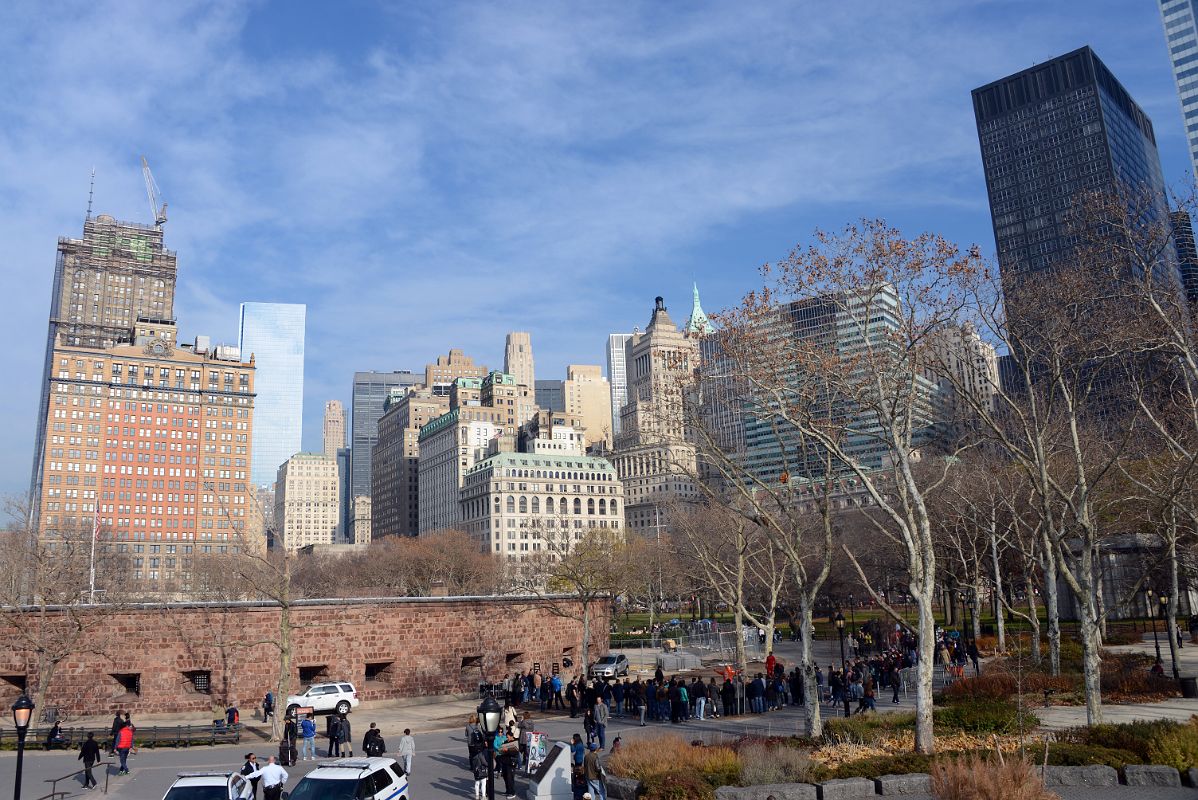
617, 376
362, 529
333, 438
273, 335
518, 360
395, 475
551, 395
149, 445
587, 396
370, 393
307, 508
653, 458
1047, 134
440, 375
544, 497
1181, 37
117, 273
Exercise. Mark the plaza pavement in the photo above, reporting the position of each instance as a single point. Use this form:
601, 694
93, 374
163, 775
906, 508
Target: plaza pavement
440, 769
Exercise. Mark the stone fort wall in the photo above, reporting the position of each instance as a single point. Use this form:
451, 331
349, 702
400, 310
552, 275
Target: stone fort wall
178, 657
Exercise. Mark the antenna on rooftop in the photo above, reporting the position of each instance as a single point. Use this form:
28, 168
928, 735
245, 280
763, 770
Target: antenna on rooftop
91, 190
157, 204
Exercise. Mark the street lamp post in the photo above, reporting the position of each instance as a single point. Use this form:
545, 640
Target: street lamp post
1168, 633
852, 613
489, 713
1151, 613
844, 673
22, 712
971, 597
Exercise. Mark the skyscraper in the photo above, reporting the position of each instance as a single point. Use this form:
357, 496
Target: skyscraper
273, 334
1187, 254
698, 324
1047, 134
517, 359
1181, 37
334, 428
370, 393
103, 283
617, 376
551, 395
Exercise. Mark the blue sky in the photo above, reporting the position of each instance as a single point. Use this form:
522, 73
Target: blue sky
434, 174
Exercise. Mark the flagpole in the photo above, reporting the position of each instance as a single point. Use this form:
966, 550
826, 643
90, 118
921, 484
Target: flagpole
92, 571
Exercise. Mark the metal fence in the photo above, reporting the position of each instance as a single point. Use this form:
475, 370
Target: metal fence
705, 645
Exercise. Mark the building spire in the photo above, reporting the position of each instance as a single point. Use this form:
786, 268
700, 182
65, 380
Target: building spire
698, 324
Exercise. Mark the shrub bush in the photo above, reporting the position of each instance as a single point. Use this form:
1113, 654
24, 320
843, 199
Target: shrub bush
642, 759
898, 764
992, 685
1072, 754
867, 728
980, 778
1123, 634
676, 785
1177, 746
761, 764
986, 716
1148, 742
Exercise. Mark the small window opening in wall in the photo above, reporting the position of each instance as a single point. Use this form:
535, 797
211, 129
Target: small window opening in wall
200, 680
472, 662
15, 680
378, 670
130, 682
312, 674
514, 658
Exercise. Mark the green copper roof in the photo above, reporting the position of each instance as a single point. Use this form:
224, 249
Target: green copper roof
698, 322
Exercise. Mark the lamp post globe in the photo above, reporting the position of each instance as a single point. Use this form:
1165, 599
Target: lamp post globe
489, 713
1148, 594
22, 713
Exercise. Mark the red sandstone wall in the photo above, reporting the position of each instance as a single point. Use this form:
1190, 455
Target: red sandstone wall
434, 646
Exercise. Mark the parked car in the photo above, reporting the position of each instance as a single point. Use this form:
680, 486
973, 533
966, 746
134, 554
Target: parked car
326, 698
376, 778
201, 786
610, 666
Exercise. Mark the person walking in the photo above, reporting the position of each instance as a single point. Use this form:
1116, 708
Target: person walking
308, 731
273, 779
268, 706
601, 717
345, 740
373, 744
89, 754
250, 766
480, 766
593, 772
117, 724
407, 749
124, 743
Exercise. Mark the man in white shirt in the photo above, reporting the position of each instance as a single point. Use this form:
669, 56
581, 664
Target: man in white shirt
407, 749
273, 778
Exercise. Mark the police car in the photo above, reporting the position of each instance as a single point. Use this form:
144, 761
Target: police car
202, 786
377, 778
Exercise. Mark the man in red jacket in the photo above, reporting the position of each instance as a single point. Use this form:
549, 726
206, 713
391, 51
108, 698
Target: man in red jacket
124, 743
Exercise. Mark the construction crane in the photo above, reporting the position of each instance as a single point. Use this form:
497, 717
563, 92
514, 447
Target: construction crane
157, 204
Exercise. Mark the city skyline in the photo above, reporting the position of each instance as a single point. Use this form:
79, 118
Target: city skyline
712, 196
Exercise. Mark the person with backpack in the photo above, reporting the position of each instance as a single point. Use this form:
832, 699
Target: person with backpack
475, 740
480, 766
373, 744
308, 731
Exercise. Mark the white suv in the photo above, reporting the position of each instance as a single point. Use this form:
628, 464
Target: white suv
326, 698
202, 786
358, 778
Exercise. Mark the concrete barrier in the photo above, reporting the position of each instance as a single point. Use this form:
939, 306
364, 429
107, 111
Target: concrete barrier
846, 789
915, 783
1151, 775
1091, 775
777, 791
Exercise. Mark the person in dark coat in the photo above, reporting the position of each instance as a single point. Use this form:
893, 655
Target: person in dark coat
89, 754
117, 724
345, 738
334, 737
728, 697
251, 766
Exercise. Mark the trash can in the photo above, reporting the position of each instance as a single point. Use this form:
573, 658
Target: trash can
1189, 686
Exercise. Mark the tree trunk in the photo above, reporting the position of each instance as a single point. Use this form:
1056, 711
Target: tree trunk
1000, 625
1052, 610
1091, 631
284, 687
585, 650
1171, 609
739, 621
925, 741
815, 723
1034, 616
977, 614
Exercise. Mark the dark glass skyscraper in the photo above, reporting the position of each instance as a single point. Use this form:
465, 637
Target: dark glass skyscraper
1047, 134
371, 390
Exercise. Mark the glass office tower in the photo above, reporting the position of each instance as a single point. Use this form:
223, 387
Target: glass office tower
273, 333
1181, 37
371, 390
617, 376
1047, 134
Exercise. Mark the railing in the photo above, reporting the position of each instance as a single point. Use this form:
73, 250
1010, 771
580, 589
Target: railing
55, 794
149, 736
